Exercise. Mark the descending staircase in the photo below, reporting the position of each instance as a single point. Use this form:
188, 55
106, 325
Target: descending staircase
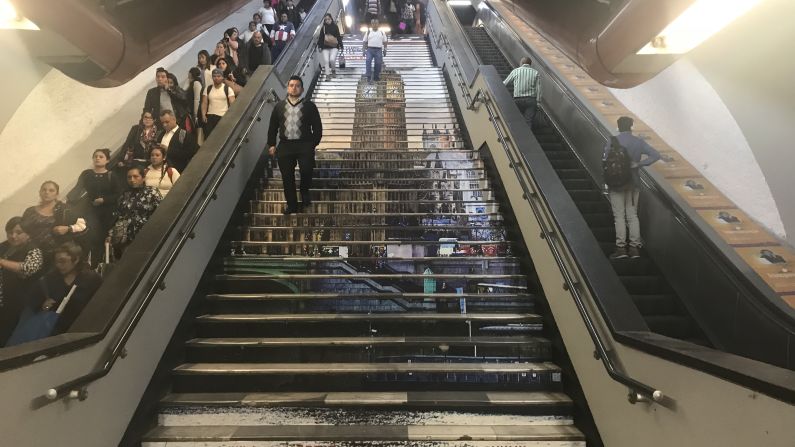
395, 311
655, 299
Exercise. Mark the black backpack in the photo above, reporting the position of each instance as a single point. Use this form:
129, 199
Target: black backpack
617, 166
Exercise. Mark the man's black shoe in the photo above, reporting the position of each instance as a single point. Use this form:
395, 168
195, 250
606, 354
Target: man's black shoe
289, 210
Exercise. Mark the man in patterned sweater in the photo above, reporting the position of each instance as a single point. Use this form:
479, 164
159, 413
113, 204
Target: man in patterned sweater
300, 130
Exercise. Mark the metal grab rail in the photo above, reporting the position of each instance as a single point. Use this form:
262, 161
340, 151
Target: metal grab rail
638, 391
71, 388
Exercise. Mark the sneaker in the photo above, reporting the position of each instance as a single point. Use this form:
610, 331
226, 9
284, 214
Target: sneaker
634, 252
620, 253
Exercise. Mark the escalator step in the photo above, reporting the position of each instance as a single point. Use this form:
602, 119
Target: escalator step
631, 267
587, 195
598, 219
656, 305
578, 184
604, 234
674, 326
593, 207
574, 174
571, 163
554, 155
645, 284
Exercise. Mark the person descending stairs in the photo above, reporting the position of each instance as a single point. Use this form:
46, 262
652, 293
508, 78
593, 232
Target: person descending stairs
396, 310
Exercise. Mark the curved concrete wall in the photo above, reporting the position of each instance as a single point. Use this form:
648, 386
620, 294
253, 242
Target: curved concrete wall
727, 107
54, 123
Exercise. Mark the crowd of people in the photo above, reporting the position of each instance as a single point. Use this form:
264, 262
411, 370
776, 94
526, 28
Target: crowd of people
54, 250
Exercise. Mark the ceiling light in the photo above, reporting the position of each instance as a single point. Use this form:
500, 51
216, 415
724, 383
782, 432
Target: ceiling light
9, 19
700, 21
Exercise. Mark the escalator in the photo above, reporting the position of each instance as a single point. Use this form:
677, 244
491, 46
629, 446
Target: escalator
655, 299
292, 347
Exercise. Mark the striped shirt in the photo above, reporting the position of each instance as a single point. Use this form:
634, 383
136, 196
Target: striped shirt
525, 81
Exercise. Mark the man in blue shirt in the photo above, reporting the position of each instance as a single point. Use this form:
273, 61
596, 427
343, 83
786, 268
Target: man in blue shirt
624, 200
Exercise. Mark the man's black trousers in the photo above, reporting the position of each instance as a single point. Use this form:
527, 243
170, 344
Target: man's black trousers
291, 155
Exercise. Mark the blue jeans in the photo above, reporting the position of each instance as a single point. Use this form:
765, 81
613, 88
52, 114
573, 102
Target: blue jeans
378, 55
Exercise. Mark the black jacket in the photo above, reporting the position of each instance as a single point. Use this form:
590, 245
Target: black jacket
133, 141
333, 30
179, 99
264, 59
181, 148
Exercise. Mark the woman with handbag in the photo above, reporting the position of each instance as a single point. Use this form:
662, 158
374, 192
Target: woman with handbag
330, 44
135, 207
51, 222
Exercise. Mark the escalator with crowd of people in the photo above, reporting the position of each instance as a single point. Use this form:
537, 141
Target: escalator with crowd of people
400, 308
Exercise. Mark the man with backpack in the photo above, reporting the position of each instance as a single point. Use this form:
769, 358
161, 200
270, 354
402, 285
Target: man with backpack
621, 161
215, 102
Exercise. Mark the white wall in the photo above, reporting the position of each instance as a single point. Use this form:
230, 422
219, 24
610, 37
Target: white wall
684, 109
53, 132
729, 107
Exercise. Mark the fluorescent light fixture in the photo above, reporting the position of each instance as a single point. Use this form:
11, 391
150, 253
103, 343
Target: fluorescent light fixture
459, 3
700, 21
348, 22
345, 3
9, 19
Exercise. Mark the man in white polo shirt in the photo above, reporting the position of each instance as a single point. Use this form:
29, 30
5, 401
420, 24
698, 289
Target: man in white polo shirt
375, 42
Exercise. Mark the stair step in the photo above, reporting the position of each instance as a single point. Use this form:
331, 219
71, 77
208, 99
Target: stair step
378, 296
502, 318
362, 341
329, 369
415, 399
414, 435
345, 416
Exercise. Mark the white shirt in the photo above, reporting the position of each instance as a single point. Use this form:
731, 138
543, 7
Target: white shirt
268, 15
375, 39
217, 103
166, 140
160, 180
247, 35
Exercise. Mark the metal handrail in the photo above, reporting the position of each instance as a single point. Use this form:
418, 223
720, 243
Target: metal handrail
72, 388
638, 391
